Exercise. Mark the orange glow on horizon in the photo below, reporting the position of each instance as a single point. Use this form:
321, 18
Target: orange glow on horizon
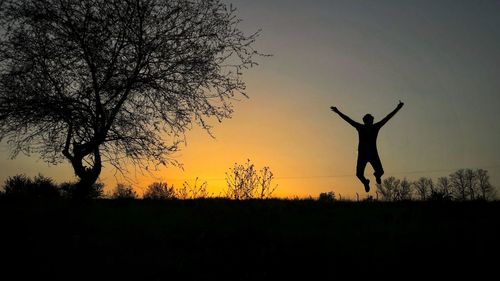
444, 69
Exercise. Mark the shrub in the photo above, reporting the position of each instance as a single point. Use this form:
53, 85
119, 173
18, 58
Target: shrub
327, 196
122, 191
21, 186
193, 191
69, 190
159, 191
245, 182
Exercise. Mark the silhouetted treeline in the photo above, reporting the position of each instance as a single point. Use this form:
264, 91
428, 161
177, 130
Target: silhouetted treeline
243, 182
162, 191
247, 183
462, 185
41, 187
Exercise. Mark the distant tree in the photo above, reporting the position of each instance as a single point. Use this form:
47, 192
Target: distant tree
404, 190
21, 186
485, 190
159, 191
388, 189
245, 182
122, 191
116, 80
471, 183
443, 189
458, 181
423, 187
327, 196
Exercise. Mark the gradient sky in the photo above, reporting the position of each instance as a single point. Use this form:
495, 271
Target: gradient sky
441, 58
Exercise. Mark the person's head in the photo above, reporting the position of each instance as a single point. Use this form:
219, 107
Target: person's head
368, 119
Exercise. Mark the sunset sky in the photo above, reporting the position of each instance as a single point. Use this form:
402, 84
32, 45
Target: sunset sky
442, 58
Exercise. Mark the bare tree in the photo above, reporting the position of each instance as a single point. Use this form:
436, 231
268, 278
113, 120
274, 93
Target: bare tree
424, 187
485, 190
458, 182
159, 191
112, 81
470, 179
404, 191
443, 187
388, 189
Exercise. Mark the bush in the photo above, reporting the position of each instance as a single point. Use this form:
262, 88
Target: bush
327, 196
21, 186
69, 190
122, 191
246, 182
159, 191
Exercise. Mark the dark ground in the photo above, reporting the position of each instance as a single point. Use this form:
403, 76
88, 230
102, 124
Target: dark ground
247, 240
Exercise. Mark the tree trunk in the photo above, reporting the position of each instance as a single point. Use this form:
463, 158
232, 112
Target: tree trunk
87, 175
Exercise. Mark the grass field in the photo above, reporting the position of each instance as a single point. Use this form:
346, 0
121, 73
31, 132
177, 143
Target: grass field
246, 240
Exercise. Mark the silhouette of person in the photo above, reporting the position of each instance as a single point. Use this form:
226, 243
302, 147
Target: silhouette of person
367, 147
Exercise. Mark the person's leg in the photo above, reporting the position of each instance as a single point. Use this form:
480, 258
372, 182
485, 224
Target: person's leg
360, 172
377, 166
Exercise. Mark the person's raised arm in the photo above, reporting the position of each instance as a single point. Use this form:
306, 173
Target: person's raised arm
390, 115
345, 117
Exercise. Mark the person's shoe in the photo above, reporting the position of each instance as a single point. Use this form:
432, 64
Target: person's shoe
367, 185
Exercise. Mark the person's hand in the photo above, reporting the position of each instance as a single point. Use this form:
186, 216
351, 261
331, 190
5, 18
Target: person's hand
334, 109
400, 104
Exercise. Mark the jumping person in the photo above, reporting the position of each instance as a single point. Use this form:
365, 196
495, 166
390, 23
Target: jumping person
367, 147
